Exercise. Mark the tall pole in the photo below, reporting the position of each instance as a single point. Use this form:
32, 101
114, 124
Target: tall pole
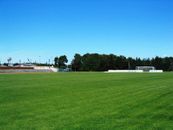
129, 67
39, 59
49, 63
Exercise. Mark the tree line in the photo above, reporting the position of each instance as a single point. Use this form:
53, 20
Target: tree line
104, 62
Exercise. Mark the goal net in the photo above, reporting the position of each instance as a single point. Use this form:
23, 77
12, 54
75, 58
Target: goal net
145, 68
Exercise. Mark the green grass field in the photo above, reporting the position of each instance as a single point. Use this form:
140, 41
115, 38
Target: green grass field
90, 101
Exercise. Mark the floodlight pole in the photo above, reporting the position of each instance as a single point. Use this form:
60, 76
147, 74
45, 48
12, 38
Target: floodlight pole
49, 63
129, 66
39, 59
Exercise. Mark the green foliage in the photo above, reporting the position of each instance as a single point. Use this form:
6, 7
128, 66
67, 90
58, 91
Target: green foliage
92, 101
56, 60
102, 62
77, 62
61, 61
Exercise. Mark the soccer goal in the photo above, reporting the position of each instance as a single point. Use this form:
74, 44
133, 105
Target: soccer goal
145, 68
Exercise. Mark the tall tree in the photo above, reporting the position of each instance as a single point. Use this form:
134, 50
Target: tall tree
77, 62
56, 60
102, 62
62, 61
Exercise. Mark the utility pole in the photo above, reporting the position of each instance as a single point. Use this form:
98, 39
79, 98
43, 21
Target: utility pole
39, 59
129, 66
49, 63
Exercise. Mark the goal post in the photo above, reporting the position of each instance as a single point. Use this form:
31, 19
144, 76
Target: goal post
145, 68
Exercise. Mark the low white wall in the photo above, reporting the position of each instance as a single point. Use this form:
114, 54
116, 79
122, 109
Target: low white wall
133, 71
54, 69
156, 71
125, 71
46, 68
41, 67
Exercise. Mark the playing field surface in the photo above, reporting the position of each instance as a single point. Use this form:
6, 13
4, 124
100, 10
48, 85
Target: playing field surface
86, 101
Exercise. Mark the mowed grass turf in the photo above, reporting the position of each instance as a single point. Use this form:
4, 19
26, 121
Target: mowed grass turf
92, 101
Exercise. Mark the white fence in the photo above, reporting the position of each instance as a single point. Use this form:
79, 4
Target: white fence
156, 71
133, 71
125, 71
46, 68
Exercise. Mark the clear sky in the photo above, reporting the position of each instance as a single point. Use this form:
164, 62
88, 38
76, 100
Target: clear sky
43, 29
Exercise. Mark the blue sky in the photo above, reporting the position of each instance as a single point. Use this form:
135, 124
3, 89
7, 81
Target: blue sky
43, 29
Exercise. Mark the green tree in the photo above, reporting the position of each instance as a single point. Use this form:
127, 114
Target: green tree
77, 62
62, 61
56, 60
91, 62
103, 62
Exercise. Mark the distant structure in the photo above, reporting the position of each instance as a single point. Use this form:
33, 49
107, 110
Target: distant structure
27, 68
139, 69
145, 68
9, 61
